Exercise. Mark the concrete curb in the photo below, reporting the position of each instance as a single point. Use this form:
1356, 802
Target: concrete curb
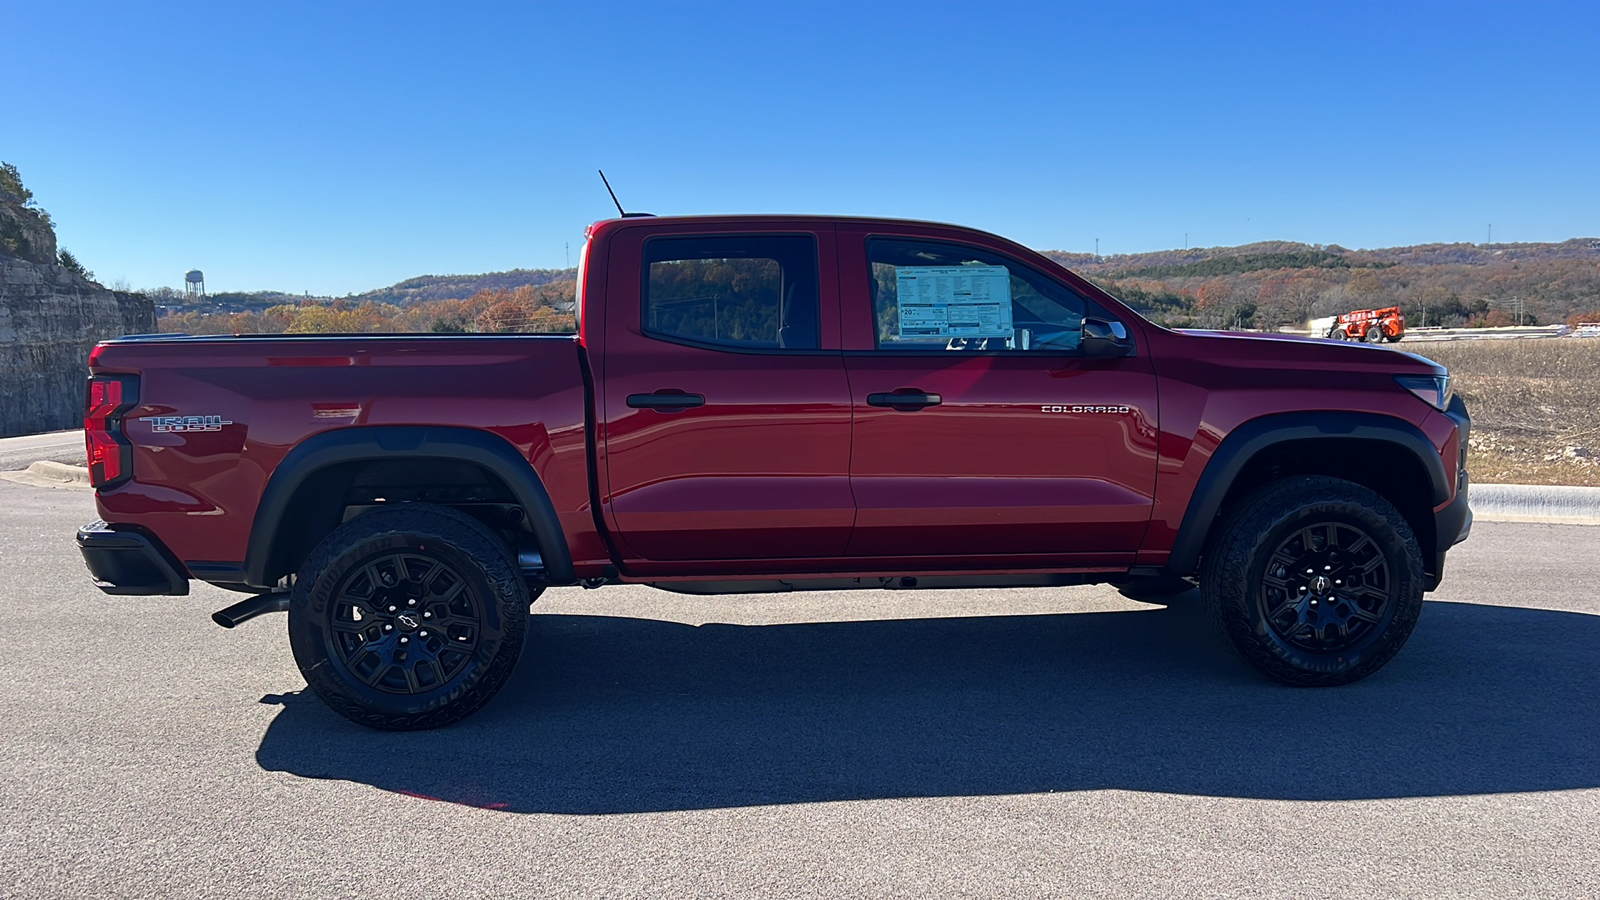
52, 474
1552, 504
60, 471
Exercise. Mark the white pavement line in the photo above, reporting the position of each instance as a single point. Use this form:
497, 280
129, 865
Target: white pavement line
1552, 504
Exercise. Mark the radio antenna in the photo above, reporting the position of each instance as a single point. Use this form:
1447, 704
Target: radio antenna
611, 192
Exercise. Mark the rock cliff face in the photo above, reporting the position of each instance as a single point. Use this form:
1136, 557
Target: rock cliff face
50, 318
24, 234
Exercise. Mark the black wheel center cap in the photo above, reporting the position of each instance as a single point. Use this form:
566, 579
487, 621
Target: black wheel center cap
408, 620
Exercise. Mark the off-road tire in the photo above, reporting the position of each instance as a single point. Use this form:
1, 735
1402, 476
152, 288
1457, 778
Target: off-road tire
445, 560
1236, 592
1374, 335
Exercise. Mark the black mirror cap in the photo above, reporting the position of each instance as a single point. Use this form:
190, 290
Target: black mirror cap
1105, 338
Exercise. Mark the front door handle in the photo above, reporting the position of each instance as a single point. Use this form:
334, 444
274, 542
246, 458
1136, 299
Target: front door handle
666, 401
905, 400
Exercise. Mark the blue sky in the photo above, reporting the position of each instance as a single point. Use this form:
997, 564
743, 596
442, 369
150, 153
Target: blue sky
335, 147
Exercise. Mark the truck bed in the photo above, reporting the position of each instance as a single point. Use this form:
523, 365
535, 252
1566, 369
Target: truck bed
248, 400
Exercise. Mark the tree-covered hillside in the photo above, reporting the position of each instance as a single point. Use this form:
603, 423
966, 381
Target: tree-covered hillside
1262, 285
1276, 284
459, 287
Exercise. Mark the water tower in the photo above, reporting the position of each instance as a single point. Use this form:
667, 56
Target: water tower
194, 286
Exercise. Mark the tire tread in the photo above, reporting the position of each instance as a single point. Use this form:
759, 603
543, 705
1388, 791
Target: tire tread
508, 592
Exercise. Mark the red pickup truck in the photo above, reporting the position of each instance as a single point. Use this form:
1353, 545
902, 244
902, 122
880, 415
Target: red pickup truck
773, 403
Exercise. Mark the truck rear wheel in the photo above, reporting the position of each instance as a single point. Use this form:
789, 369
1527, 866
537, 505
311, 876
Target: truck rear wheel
408, 617
1374, 335
1315, 581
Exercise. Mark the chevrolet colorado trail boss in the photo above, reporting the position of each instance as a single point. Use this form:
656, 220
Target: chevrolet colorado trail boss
771, 403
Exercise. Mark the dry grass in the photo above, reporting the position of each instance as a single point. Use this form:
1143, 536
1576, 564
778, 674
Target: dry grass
1535, 406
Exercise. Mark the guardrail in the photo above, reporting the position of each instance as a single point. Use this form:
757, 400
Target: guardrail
1474, 334
1477, 334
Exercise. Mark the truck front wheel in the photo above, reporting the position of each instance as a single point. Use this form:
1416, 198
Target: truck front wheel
408, 617
1315, 581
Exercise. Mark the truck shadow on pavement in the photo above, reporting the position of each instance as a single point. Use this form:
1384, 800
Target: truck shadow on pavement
618, 715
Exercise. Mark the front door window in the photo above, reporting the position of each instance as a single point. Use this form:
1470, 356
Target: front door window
931, 295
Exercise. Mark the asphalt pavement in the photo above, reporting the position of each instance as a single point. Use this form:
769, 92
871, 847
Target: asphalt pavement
55, 446
1060, 742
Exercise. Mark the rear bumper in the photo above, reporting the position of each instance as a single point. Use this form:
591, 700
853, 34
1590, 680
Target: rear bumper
124, 561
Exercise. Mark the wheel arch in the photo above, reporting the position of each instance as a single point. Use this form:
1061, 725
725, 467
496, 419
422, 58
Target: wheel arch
1389, 455
305, 482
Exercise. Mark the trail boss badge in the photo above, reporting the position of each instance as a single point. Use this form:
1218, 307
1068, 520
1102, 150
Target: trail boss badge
166, 424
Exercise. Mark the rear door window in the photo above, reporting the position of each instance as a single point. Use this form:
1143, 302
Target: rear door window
746, 292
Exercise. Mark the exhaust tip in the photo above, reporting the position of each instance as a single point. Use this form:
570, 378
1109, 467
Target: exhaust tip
249, 608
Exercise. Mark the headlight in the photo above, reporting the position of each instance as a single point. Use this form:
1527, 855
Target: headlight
1433, 390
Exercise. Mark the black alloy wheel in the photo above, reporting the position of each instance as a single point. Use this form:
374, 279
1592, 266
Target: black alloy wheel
408, 617
1325, 587
1314, 581
406, 622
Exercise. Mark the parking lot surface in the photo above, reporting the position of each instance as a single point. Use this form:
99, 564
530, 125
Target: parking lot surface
980, 743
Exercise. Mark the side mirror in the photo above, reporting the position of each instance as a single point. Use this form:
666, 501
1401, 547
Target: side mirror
1105, 338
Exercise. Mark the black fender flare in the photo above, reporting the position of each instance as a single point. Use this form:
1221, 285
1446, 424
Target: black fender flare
384, 442
1247, 440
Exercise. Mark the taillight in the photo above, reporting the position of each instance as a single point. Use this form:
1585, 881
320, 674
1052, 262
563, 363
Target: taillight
110, 452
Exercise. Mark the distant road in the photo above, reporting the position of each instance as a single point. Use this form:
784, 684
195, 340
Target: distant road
56, 446
1477, 334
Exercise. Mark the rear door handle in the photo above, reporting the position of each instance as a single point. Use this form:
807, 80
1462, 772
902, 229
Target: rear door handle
666, 401
905, 400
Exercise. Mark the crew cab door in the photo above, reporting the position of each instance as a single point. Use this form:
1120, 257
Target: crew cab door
982, 428
725, 410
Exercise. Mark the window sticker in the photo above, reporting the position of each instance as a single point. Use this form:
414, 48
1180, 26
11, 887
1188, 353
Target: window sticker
953, 302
